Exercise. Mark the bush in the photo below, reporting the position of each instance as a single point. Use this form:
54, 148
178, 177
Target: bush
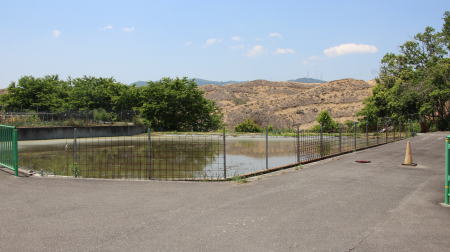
315, 128
328, 124
74, 122
349, 124
101, 115
138, 121
248, 126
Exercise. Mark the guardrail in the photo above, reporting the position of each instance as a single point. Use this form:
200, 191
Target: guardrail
9, 154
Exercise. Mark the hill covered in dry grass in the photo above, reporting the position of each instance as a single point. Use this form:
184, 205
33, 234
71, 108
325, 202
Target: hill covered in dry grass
288, 104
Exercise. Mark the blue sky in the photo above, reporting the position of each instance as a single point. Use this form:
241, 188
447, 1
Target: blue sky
216, 40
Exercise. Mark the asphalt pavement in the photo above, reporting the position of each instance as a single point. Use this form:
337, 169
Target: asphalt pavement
332, 205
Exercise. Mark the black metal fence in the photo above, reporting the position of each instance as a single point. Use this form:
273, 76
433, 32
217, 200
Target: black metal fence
216, 156
68, 118
145, 156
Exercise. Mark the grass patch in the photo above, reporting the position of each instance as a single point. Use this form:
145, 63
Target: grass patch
298, 167
239, 180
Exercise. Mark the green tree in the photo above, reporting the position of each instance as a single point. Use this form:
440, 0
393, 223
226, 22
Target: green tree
414, 84
326, 121
446, 29
89, 93
48, 93
178, 104
128, 98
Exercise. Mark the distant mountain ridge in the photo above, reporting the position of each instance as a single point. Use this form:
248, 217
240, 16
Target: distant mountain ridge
285, 104
202, 82
139, 83
308, 80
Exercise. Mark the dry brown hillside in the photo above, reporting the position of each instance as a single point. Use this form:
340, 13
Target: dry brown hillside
287, 104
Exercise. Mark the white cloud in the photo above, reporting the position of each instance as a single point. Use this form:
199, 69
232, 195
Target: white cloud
56, 33
212, 41
128, 29
275, 35
236, 38
107, 27
255, 51
284, 51
188, 43
348, 49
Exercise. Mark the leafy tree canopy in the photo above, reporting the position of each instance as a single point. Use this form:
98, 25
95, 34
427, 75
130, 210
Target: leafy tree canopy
39, 94
415, 83
169, 104
178, 104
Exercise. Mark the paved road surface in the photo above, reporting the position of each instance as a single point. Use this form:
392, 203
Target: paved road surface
333, 205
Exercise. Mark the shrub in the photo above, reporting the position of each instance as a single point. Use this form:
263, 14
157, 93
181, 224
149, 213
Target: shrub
315, 128
328, 124
248, 126
101, 115
138, 121
73, 122
349, 124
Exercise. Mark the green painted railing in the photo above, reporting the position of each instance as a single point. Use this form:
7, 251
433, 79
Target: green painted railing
447, 170
9, 153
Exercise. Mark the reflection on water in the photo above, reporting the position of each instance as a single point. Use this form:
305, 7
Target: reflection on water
124, 158
173, 157
249, 155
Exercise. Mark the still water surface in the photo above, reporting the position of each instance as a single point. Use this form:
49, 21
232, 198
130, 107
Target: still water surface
171, 157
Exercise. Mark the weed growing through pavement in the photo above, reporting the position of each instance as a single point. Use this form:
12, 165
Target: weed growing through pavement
239, 180
75, 170
298, 167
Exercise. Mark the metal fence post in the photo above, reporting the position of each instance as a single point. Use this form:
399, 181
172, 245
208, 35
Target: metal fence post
224, 154
386, 131
267, 148
298, 144
410, 128
447, 170
394, 132
15, 152
377, 134
400, 130
75, 156
367, 134
355, 128
340, 139
74, 149
321, 140
149, 152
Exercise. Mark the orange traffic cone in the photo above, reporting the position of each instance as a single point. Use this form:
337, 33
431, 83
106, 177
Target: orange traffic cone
408, 155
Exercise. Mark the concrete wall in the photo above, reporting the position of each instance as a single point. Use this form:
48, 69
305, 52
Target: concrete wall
82, 132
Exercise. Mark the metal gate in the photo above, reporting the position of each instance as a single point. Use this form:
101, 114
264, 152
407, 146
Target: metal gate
9, 154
